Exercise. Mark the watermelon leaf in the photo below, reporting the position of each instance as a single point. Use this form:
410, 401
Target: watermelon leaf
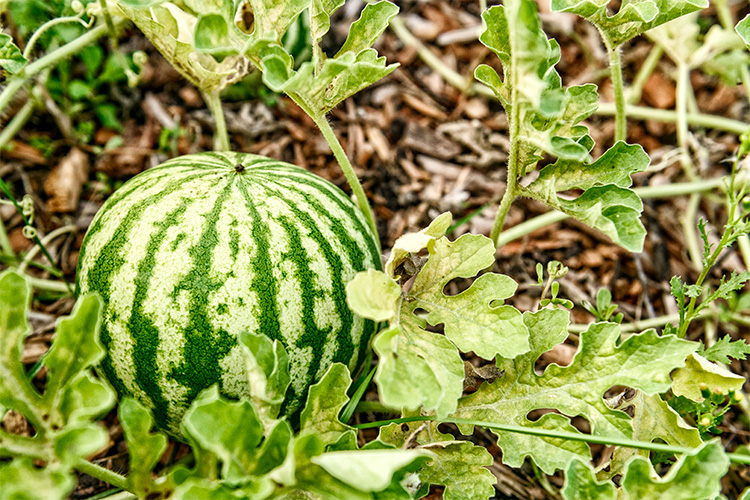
633, 17
460, 466
144, 448
642, 361
61, 415
549, 124
20, 479
326, 399
172, 31
653, 420
743, 29
267, 366
418, 368
11, 58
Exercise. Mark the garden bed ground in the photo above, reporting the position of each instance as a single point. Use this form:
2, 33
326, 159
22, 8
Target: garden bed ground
421, 147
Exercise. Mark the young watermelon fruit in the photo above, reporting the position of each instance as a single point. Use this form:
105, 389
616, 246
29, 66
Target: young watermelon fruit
191, 253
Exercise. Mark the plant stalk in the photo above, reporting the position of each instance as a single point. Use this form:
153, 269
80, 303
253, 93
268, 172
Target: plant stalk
221, 137
668, 116
346, 167
106, 475
572, 436
618, 86
17, 81
18, 121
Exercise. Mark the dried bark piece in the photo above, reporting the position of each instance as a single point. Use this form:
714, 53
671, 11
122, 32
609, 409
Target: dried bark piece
63, 185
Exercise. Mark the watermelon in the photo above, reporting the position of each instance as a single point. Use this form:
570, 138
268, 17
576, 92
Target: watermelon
189, 254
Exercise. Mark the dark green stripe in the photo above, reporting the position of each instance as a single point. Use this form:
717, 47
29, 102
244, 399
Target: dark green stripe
312, 336
354, 253
263, 283
141, 327
110, 260
204, 347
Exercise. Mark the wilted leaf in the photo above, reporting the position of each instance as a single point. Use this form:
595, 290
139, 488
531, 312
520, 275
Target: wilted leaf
416, 242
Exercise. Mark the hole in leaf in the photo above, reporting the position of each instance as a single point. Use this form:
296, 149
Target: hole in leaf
456, 286
561, 355
15, 423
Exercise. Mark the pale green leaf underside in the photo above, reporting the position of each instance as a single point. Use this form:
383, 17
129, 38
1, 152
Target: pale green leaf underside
373, 295
171, 30
366, 470
416, 242
698, 370
634, 16
20, 479
641, 361
418, 368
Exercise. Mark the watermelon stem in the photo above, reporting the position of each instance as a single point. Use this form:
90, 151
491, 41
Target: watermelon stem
221, 137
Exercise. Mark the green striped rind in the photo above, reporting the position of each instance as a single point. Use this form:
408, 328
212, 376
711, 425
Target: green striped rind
190, 253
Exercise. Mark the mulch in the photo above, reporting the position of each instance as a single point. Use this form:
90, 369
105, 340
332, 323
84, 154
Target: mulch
421, 147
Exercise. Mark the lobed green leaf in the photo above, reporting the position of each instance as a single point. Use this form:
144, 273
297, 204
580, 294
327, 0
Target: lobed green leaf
633, 17
11, 58
642, 361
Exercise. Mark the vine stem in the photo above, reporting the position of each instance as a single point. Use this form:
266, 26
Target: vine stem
669, 116
106, 475
346, 167
16, 82
18, 121
221, 137
646, 70
618, 86
572, 436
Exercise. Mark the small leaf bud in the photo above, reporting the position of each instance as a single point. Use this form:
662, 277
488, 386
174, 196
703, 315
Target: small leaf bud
140, 58
705, 421
77, 6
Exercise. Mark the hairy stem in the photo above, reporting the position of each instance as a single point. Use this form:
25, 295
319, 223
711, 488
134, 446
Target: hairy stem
221, 137
618, 86
646, 70
103, 474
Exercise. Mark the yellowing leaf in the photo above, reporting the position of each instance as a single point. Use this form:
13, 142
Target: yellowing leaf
698, 370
